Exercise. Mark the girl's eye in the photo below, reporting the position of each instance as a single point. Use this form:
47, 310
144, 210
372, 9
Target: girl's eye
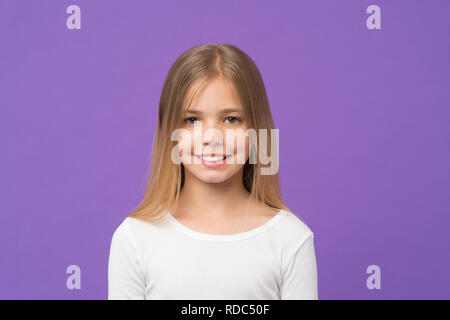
190, 120
233, 119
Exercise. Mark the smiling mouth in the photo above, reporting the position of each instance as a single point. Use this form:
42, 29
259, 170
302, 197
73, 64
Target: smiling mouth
213, 158
208, 158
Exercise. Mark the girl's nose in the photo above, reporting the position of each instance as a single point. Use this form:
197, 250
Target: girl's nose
212, 137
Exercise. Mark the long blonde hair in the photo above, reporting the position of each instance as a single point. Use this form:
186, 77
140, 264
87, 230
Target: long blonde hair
193, 69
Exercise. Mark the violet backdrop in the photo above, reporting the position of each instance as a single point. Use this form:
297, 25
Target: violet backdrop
363, 118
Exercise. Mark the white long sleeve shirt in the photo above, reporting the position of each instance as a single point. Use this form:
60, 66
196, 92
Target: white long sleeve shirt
167, 260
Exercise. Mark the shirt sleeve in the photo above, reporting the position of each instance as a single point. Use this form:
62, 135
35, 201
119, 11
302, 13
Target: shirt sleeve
300, 273
126, 279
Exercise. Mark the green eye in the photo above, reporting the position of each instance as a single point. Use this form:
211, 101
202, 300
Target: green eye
190, 120
233, 119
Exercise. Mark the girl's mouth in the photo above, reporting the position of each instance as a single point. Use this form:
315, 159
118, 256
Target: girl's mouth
211, 161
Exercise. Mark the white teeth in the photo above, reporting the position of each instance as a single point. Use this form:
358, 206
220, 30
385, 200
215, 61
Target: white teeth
212, 159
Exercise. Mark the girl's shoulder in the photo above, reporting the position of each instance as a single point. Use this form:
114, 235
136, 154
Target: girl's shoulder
139, 229
291, 229
267, 213
289, 220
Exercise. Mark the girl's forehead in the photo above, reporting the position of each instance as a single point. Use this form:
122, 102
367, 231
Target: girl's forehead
212, 96
214, 108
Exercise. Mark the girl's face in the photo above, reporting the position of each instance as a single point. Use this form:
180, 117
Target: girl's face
213, 145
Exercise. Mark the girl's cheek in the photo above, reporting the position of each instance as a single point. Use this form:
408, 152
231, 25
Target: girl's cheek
184, 146
240, 147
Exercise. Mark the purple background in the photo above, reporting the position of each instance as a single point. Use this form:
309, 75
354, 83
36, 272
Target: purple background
363, 118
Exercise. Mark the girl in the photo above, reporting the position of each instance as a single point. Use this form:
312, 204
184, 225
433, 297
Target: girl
212, 224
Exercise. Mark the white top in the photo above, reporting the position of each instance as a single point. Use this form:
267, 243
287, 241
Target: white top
167, 260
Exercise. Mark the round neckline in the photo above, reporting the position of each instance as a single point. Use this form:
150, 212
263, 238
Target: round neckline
224, 237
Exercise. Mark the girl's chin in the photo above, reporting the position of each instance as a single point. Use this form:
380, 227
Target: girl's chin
209, 176
212, 180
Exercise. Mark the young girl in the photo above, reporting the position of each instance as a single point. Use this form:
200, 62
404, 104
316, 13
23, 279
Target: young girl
211, 226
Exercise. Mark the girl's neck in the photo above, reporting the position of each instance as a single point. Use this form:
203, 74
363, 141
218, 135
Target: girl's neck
212, 200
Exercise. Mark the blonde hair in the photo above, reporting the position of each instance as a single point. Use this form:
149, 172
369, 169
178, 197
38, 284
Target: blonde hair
191, 71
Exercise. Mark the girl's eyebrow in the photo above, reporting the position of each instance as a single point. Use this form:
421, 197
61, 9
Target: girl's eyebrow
223, 111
